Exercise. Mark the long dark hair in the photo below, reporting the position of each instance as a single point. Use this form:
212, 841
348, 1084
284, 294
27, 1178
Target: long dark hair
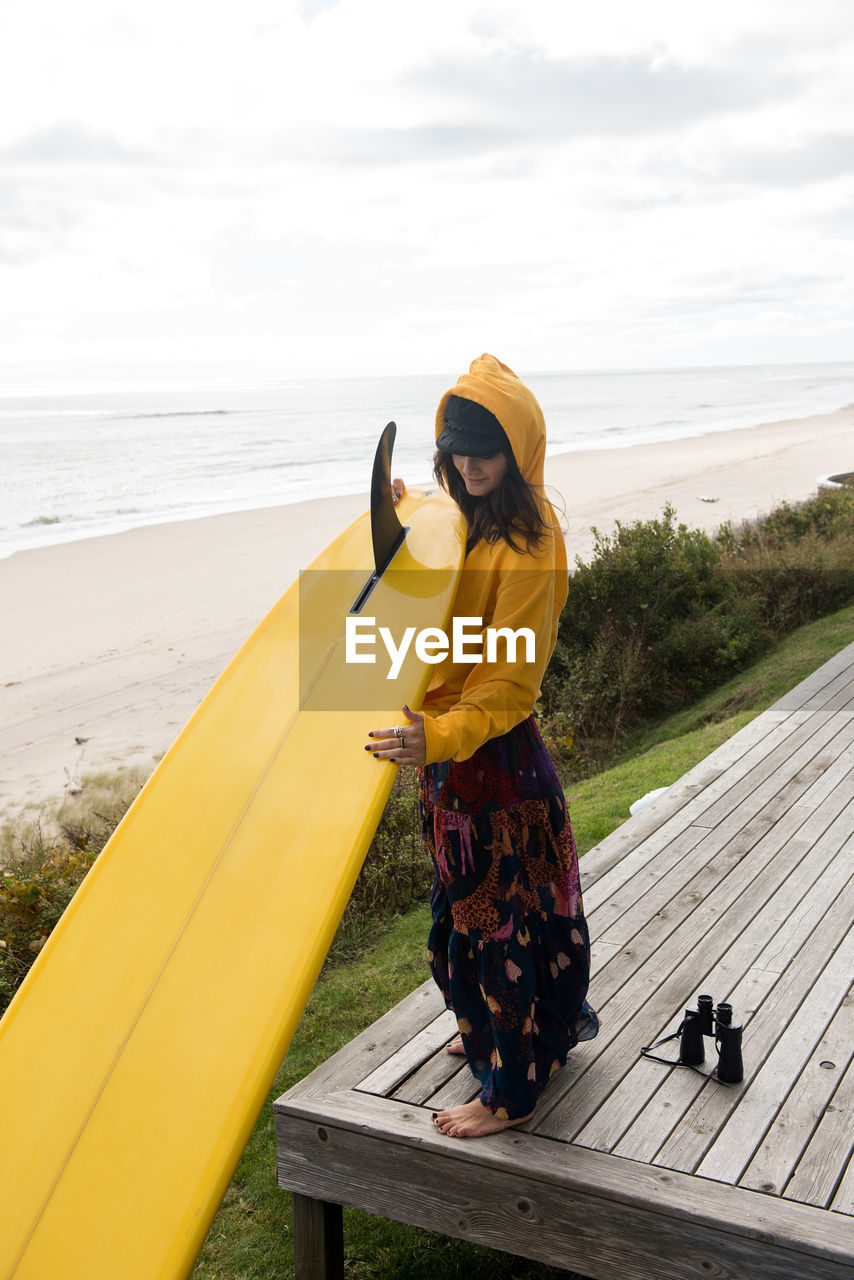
510, 512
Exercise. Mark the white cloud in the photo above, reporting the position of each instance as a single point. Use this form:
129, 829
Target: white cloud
399, 184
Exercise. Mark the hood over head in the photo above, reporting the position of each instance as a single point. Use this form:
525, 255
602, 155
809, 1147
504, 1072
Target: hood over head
496, 387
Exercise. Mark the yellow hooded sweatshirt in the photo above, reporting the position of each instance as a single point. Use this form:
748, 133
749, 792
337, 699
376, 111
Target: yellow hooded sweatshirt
469, 703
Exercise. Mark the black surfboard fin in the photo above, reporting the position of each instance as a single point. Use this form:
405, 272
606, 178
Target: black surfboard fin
387, 532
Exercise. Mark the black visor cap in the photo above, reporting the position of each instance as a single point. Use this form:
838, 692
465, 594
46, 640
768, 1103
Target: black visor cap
471, 430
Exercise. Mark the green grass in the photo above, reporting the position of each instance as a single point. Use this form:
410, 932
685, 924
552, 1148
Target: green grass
659, 754
758, 686
599, 804
251, 1237
26, 837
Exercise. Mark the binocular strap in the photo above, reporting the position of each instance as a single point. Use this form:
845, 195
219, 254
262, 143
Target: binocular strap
646, 1052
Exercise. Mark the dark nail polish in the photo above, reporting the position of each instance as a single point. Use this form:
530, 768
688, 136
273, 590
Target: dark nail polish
367, 748
376, 755
370, 735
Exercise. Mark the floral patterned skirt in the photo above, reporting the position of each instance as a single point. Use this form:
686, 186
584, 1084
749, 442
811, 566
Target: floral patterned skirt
509, 946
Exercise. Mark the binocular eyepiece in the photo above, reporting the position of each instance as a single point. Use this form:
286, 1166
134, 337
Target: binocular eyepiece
710, 1020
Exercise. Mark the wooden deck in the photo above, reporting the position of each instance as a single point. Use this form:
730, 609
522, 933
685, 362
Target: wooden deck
737, 882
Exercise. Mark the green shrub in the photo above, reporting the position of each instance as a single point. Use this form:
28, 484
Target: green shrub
396, 874
634, 636
797, 582
662, 613
36, 888
828, 515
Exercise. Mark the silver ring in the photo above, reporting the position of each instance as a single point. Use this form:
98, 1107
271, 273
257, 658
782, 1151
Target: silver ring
398, 730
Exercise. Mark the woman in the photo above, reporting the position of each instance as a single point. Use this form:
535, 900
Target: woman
509, 945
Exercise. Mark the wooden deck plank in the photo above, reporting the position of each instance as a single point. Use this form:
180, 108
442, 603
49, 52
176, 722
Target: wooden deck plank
621, 855
460, 1088
705, 1119
719, 886
806, 742
815, 688
799, 1119
653, 865
617, 857
738, 880
602, 953
564, 1206
431, 1076
729, 842
817, 1176
664, 1097
410, 1056
843, 1201
611, 851
644, 1007
760, 1104
784, 773
744, 978
709, 780
798, 901
375, 1044
652, 878
818, 893
621, 1123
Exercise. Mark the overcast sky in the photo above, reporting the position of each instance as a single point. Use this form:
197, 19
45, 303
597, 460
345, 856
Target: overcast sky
306, 186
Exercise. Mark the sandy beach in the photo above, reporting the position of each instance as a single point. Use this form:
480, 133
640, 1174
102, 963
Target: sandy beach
114, 640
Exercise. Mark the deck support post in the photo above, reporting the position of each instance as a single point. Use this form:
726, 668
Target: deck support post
318, 1239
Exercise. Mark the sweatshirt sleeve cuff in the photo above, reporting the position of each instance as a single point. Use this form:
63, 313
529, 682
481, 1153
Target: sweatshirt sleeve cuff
439, 739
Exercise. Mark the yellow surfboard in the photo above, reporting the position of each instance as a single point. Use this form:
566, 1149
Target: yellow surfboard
137, 1054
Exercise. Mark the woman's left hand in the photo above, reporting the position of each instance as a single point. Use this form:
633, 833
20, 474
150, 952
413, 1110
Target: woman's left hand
404, 744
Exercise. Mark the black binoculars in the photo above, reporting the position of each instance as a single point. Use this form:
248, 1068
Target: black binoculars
707, 1019
710, 1020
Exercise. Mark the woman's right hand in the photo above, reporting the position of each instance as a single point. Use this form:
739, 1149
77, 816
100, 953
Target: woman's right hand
398, 491
404, 744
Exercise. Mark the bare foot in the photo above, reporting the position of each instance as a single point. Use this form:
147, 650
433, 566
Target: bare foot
473, 1120
456, 1046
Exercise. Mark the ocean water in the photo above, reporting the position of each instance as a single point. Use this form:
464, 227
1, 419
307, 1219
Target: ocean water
77, 461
